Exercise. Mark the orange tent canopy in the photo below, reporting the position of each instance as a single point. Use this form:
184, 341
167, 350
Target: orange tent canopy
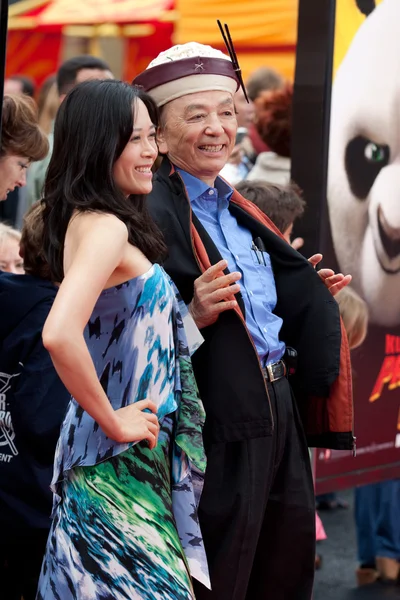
91, 12
264, 33
52, 14
37, 29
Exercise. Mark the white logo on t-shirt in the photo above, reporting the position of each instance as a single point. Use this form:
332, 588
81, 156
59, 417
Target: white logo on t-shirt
7, 433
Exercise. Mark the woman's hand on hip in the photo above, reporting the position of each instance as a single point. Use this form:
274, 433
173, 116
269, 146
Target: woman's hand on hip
133, 424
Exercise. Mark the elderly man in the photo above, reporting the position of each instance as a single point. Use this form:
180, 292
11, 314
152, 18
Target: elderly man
254, 299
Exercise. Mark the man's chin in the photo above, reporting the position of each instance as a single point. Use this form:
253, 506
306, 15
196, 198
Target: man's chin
213, 164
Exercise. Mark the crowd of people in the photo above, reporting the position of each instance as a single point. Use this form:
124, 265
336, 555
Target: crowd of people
163, 359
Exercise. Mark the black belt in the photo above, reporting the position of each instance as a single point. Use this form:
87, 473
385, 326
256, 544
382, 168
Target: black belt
274, 371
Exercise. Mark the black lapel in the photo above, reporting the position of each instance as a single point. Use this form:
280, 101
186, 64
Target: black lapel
214, 255
180, 201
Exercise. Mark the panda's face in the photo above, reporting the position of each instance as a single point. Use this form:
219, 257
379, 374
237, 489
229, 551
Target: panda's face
364, 163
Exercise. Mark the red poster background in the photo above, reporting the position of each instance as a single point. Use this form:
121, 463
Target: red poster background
376, 362
140, 51
33, 53
377, 420
365, 246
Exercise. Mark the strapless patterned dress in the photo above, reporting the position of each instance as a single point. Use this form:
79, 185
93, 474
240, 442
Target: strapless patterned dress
125, 520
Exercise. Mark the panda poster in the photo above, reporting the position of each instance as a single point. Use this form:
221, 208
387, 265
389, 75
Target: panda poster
350, 106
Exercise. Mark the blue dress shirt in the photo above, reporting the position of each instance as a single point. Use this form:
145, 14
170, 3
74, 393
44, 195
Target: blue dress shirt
235, 244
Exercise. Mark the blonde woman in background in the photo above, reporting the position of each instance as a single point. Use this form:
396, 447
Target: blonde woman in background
10, 260
354, 313
48, 102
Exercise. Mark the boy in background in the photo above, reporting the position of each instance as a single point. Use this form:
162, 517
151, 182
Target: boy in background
283, 204
33, 402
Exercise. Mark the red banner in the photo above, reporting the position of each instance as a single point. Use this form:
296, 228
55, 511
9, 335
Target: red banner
140, 51
32, 53
376, 368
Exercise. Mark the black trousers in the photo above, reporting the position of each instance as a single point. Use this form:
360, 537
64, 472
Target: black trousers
257, 512
21, 557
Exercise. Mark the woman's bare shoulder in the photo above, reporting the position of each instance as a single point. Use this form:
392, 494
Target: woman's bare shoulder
96, 223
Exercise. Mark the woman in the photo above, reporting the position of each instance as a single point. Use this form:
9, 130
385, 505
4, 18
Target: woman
48, 102
274, 125
22, 142
10, 259
122, 476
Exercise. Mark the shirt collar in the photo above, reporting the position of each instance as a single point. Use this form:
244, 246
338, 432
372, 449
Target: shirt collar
196, 188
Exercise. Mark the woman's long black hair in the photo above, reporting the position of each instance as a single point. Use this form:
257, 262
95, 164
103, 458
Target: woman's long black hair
93, 125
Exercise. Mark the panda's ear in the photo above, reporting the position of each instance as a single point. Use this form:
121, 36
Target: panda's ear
366, 6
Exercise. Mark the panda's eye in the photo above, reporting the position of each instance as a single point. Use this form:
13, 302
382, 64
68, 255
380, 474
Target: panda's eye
364, 159
375, 153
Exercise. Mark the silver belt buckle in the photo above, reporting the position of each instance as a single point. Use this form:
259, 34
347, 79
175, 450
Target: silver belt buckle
270, 373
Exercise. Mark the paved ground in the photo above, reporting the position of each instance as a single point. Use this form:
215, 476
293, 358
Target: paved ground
336, 579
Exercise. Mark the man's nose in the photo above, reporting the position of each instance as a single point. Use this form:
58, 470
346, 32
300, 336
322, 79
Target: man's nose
214, 125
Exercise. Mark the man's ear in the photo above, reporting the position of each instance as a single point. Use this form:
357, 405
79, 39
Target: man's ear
161, 142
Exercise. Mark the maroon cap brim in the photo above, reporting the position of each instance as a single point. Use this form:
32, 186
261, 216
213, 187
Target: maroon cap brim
171, 71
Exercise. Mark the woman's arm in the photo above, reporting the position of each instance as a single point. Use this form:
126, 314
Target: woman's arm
96, 248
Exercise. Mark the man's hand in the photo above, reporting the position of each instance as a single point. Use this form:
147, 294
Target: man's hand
315, 259
297, 243
333, 281
213, 294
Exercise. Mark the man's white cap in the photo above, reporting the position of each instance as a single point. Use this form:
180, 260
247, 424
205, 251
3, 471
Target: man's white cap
187, 69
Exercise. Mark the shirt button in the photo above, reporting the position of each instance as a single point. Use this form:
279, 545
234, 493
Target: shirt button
251, 293
210, 192
236, 256
265, 329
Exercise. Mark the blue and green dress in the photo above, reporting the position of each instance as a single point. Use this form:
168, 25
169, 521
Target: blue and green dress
125, 520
